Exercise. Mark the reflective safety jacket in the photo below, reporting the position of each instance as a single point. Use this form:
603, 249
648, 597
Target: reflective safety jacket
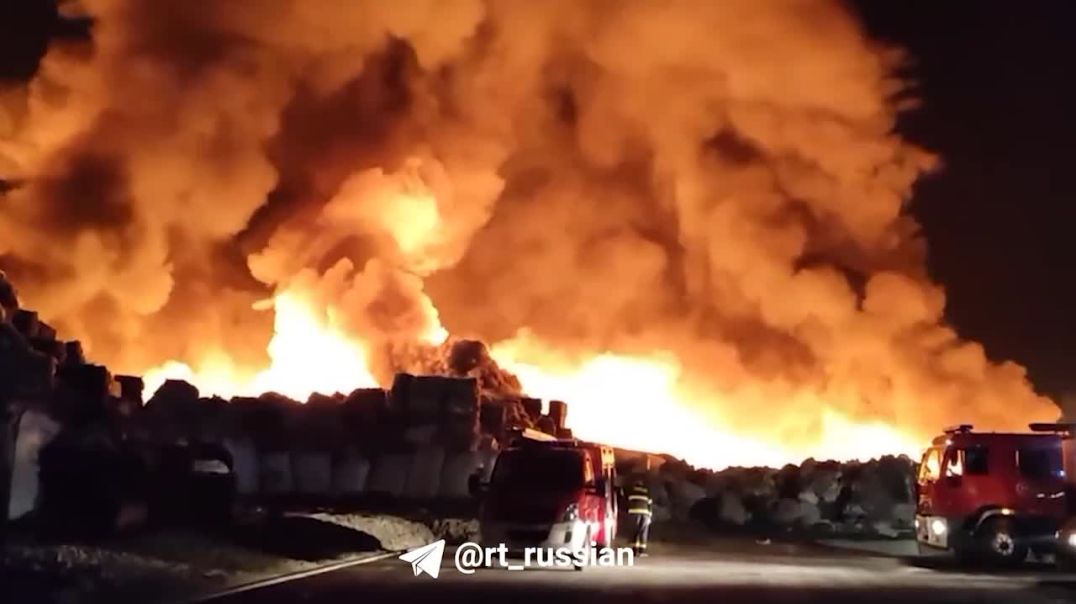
639, 501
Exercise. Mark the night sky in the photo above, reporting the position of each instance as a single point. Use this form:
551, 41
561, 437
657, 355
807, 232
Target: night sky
998, 87
997, 81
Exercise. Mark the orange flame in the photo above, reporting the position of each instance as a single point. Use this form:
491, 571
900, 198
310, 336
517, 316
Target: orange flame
339, 365
639, 403
626, 401
636, 402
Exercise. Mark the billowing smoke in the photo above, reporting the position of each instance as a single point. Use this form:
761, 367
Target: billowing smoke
718, 181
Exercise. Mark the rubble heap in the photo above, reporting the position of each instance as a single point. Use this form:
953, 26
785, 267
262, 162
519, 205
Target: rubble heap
819, 498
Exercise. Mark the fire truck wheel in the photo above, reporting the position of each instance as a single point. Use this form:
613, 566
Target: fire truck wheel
1000, 543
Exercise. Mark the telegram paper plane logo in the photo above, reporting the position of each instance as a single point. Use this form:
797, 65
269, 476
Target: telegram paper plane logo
426, 559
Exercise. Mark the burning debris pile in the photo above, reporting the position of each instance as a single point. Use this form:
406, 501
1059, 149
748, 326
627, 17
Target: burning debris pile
89, 456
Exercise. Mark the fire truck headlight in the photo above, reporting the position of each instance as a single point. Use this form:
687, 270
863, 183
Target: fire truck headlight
938, 527
1070, 540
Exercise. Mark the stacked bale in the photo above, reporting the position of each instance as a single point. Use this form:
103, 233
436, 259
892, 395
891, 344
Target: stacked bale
34, 430
131, 394
77, 441
25, 373
532, 407
274, 445
558, 413
441, 419
93, 479
388, 474
9, 421
173, 413
9, 299
461, 411
422, 439
424, 475
350, 473
363, 415
419, 440
493, 416
317, 438
458, 469
63, 438
253, 427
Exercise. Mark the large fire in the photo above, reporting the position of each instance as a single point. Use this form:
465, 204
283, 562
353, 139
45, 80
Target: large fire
640, 403
631, 402
687, 219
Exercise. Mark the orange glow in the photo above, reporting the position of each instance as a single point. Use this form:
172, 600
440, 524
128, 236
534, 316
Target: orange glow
719, 181
309, 353
635, 402
639, 403
632, 402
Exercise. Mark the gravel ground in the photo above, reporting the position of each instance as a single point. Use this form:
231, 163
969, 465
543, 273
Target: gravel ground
393, 533
174, 564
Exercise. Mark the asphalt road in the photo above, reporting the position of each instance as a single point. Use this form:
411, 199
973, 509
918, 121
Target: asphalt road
726, 573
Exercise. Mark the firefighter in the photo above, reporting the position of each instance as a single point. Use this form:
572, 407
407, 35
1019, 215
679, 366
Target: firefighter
639, 509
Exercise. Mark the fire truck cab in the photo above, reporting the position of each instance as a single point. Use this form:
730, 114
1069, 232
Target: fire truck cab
990, 496
548, 492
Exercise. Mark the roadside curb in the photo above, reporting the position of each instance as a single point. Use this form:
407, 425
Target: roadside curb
357, 561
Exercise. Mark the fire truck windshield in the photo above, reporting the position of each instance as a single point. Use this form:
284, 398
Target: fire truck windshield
537, 469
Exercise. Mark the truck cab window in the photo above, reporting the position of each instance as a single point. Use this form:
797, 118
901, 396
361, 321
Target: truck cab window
556, 470
954, 463
930, 468
974, 461
1039, 462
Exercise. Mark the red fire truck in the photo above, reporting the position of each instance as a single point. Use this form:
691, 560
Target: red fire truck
549, 492
990, 496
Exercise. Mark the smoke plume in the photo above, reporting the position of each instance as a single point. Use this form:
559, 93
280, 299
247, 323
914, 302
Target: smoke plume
715, 181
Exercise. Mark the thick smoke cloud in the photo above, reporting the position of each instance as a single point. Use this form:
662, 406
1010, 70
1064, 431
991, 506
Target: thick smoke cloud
716, 180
